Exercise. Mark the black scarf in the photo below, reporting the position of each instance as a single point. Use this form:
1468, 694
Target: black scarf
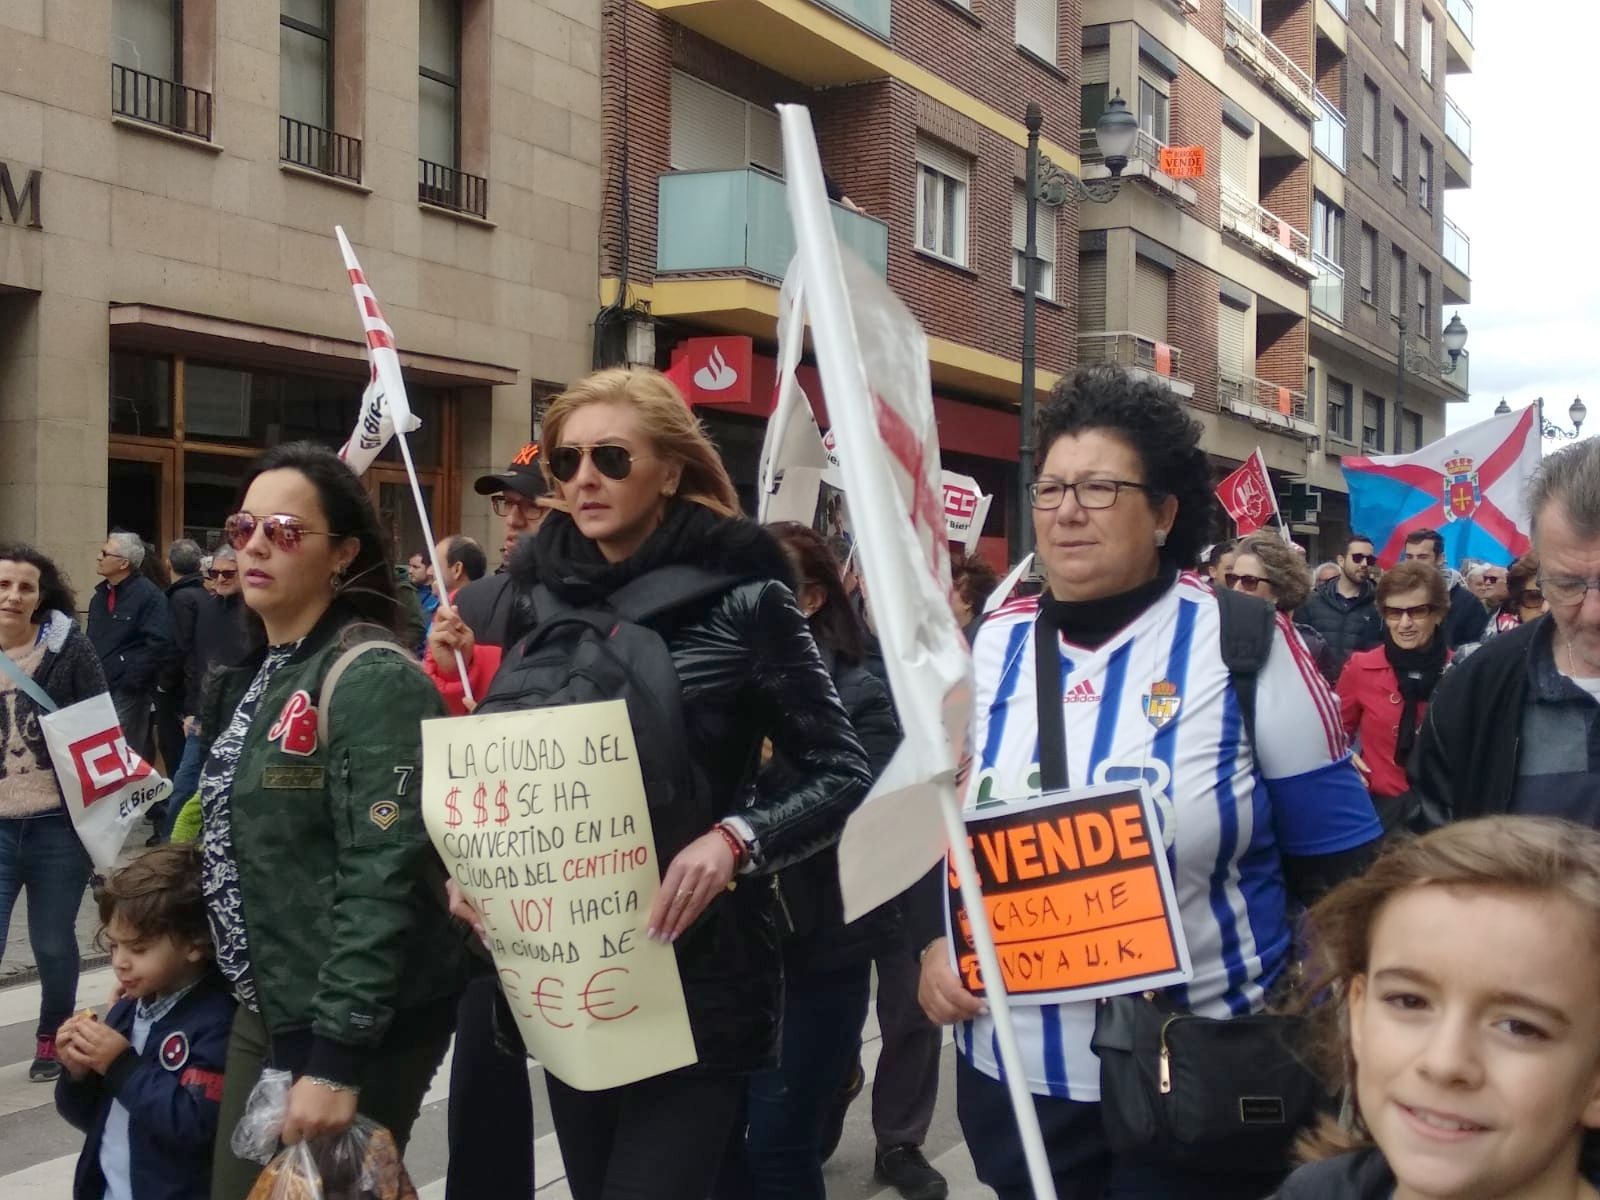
1418, 674
1093, 623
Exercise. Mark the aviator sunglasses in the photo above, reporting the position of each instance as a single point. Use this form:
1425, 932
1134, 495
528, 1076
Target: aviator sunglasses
614, 462
283, 531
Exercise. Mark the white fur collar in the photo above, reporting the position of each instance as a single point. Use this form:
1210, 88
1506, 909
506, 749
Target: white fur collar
56, 628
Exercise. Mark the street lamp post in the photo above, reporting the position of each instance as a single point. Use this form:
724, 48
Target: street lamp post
1454, 337
1115, 131
1577, 412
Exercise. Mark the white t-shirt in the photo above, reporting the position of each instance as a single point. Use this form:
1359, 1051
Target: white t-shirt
1227, 814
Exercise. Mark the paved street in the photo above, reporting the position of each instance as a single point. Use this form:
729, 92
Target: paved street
38, 1149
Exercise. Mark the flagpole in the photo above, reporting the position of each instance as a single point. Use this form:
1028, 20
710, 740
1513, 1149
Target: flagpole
433, 558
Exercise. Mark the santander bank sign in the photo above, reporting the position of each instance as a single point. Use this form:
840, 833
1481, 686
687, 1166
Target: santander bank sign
713, 370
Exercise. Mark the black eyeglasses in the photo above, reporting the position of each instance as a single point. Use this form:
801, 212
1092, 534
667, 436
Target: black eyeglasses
614, 462
1047, 494
1247, 582
1358, 559
1416, 612
1566, 589
503, 503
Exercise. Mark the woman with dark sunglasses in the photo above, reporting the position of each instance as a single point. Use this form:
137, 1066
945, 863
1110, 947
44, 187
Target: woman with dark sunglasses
324, 895
1269, 568
1384, 692
647, 495
1524, 600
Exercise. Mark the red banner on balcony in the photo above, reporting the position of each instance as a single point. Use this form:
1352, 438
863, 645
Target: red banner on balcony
713, 370
1247, 495
1163, 359
1285, 402
1183, 162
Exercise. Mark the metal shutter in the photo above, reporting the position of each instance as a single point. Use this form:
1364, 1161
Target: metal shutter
708, 127
1091, 292
766, 139
943, 159
1235, 159
1235, 353
1097, 65
1150, 299
1036, 27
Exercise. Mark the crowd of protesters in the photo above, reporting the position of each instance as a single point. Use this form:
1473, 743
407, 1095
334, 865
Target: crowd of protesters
1297, 729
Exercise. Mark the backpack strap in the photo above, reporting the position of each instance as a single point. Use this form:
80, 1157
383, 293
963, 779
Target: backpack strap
1047, 692
331, 680
666, 589
25, 683
1249, 626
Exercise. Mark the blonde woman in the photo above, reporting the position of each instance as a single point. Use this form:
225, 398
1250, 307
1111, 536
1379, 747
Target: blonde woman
646, 490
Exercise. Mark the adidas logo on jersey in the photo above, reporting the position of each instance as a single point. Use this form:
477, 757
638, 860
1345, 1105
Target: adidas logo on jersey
1083, 693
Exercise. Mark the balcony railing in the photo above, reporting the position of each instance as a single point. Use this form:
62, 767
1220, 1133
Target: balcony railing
1327, 289
160, 102
1125, 348
446, 187
1457, 248
1461, 13
1262, 401
1327, 135
319, 149
739, 221
1269, 233
1271, 64
869, 14
1457, 126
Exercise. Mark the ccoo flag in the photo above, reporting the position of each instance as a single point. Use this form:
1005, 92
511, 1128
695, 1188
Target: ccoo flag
1468, 485
383, 405
1248, 497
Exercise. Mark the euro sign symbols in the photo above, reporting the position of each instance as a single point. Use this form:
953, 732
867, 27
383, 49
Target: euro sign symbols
594, 1002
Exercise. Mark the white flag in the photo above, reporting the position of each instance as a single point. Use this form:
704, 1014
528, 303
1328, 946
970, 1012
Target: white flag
383, 404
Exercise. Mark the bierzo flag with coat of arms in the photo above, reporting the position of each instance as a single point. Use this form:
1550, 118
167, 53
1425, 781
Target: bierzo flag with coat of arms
1470, 486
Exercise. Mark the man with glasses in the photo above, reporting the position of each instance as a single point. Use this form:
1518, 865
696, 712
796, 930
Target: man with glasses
1468, 618
131, 630
1345, 609
1516, 727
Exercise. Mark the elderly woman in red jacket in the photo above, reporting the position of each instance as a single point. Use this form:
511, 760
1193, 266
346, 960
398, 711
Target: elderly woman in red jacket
1384, 692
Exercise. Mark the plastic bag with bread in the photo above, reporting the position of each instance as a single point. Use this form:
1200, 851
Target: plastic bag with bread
362, 1163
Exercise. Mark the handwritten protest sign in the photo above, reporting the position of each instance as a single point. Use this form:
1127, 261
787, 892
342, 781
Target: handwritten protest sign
1078, 897
540, 817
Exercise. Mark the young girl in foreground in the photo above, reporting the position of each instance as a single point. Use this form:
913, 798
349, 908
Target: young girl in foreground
1467, 1025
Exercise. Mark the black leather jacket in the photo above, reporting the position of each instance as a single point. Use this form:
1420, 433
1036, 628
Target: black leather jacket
749, 670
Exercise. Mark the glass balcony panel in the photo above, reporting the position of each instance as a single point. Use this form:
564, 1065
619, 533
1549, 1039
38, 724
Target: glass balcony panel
1461, 13
1327, 289
1457, 126
1457, 248
1328, 132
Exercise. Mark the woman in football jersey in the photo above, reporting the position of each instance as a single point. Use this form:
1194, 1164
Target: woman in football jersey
1257, 816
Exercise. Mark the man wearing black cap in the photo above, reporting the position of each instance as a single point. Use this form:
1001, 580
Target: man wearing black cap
521, 500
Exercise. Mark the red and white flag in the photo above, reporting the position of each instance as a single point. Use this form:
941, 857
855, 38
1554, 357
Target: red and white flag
383, 405
1248, 496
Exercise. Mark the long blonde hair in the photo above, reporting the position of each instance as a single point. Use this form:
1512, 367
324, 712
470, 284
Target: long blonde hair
1528, 855
664, 418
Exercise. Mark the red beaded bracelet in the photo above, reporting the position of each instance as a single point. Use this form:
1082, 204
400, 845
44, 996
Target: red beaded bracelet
735, 843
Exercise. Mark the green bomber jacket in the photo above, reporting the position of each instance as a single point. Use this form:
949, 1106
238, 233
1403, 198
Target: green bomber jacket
342, 893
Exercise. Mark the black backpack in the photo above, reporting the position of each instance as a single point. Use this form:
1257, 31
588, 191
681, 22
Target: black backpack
618, 652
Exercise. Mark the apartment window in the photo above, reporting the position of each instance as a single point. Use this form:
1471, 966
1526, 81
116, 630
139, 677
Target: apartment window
1397, 156
1369, 120
714, 130
1369, 262
1425, 48
1424, 303
439, 82
1372, 424
305, 62
144, 37
1413, 431
1154, 110
1092, 101
1327, 229
1245, 8
1036, 27
1397, 282
1425, 173
1339, 414
1399, 23
1045, 238
942, 200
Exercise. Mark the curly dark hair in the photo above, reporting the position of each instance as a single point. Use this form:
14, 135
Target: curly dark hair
1155, 426
55, 589
973, 579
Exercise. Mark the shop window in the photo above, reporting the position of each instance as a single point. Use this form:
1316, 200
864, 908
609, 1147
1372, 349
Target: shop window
141, 395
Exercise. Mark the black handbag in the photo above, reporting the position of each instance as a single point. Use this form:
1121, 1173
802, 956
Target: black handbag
1192, 1091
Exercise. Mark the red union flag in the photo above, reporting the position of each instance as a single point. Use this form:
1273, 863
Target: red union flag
104, 764
383, 404
1247, 495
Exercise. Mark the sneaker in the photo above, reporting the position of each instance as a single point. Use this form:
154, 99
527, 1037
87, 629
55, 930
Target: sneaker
906, 1170
833, 1119
46, 1067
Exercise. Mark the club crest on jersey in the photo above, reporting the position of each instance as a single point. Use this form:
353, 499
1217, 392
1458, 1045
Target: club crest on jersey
174, 1051
1161, 703
296, 726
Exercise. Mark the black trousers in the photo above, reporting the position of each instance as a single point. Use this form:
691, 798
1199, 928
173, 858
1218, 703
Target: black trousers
906, 1087
1082, 1164
659, 1139
491, 1101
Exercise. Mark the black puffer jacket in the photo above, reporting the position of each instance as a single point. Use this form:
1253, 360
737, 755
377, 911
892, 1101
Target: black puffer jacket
1346, 625
808, 893
1359, 1175
749, 670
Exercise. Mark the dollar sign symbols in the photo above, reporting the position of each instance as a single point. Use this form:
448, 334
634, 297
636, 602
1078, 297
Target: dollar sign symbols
452, 810
480, 807
502, 810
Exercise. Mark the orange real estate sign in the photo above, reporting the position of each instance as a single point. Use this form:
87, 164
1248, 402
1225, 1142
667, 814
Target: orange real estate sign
1078, 897
1183, 162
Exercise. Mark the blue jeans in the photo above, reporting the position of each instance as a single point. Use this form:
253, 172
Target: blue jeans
822, 1017
185, 781
43, 856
